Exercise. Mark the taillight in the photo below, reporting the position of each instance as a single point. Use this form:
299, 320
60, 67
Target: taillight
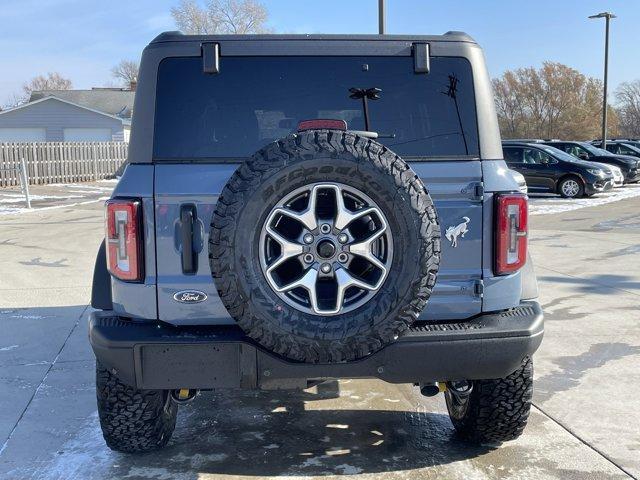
511, 233
320, 123
124, 239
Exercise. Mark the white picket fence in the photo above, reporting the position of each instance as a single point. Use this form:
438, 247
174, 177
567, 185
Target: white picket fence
60, 162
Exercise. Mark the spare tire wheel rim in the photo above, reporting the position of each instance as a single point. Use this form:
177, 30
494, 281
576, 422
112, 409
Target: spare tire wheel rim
326, 248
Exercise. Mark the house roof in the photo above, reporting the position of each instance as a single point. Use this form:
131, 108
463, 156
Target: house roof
125, 121
112, 101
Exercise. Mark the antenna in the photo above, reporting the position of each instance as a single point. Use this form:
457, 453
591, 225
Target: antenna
365, 94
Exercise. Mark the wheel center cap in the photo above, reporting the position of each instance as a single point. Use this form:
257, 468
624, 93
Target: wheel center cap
326, 249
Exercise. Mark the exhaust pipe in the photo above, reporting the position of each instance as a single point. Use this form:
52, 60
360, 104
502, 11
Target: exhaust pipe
430, 389
184, 395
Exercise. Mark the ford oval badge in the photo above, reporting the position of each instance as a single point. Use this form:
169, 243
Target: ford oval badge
189, 296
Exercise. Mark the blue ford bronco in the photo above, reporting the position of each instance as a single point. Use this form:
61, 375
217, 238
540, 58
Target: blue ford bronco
303, 208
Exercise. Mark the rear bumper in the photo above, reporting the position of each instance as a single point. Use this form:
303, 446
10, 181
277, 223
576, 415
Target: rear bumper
153, 355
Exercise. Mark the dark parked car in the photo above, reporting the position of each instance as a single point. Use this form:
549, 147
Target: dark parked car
548, 169
622, 147
630, 166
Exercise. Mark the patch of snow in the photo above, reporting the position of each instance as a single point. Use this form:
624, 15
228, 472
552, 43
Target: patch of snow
75, 187
79, 457
22, 210
549, 205
150, 472
21, 198
348, 469
312, 462
337, 425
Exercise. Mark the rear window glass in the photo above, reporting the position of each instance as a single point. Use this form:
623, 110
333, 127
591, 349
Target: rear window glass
256, 100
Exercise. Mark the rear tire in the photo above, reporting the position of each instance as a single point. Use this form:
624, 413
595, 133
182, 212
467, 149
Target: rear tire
571, 187
133, 420
496, 410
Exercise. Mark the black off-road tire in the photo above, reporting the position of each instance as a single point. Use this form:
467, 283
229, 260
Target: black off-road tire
133, 420
297, 161
496, 410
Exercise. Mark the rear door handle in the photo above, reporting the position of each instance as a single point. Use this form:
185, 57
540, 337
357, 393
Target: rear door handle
189, 255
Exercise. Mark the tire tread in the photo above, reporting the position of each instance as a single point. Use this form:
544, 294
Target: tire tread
498, 409
133, 420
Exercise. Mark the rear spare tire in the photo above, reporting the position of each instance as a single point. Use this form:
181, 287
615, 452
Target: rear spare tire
324, 246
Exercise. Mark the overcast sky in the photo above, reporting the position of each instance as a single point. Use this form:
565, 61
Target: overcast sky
83, 39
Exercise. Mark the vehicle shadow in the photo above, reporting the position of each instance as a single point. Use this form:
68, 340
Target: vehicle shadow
595, 283
275, 433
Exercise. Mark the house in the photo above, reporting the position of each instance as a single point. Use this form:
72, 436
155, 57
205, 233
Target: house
96, 115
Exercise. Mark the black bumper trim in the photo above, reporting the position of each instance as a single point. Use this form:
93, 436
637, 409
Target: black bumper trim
154, 355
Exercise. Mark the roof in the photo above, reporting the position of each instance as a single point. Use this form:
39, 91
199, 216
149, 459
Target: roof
451, 36
125, 121
112, 101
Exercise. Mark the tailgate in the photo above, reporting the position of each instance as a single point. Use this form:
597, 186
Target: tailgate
453, 185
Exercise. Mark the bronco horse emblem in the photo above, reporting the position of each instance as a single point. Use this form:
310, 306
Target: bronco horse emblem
452, 233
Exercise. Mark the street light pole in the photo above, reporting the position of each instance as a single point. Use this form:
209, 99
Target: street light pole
607, 16
381, 17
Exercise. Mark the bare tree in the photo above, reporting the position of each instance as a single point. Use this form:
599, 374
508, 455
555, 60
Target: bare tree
192, 19
510, 108
221, 16
126, 72
628, 98
52, 81
14, 100
554, 101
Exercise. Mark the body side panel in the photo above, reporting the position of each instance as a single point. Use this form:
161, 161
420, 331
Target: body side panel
138, 300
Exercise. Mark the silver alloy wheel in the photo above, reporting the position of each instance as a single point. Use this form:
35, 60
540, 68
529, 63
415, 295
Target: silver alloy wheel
570, 188
328, 211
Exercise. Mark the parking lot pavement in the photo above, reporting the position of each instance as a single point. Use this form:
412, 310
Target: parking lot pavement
588, 266
585, 423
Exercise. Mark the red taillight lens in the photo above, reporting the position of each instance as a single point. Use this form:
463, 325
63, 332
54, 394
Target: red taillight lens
124, 239
511, 233
319, 124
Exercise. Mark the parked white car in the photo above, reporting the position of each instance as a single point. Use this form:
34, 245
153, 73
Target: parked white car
522, 183
618, 177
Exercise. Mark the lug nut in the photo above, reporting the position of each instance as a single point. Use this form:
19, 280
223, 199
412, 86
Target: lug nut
343, 257
325, 228
308, 258
308, 238
325, 268
343, 238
